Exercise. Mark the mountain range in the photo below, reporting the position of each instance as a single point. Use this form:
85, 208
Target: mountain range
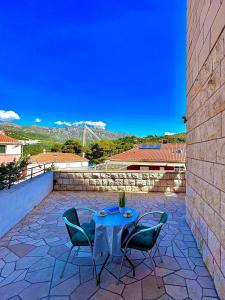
55, 134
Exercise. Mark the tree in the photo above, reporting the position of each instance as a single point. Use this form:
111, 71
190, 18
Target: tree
57, 147
95, 153
11, 172
72, 146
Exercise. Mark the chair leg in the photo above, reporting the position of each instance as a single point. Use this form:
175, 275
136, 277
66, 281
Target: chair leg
161, 259
118, 281
78, 249
66, 262
153, 264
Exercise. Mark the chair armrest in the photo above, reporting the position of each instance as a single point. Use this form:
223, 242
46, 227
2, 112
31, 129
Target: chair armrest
77, 228
86, 208
148, 213
141, 231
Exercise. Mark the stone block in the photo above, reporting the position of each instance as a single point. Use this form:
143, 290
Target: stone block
219, 281
74, 175
128, 189
211, 14
99, 182
145, 176
90, 187
119, 182
92, 181
141, 183
114, 176
122, 175
121, 188
96, 175
105, 182
214, 246
208, 259
111, 182
113, 188
87, 175
223, 260
223, 205
145, 189
135, 175
218, 24
204, 11
209, 216
223, 71
65, 181
219, 176
203, 228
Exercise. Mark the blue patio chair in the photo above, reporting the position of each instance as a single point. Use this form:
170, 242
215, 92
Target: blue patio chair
80, 235
143, 238
162, 216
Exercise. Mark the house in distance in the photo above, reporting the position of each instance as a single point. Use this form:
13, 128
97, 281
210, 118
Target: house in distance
10, 149
156, 157
59, 159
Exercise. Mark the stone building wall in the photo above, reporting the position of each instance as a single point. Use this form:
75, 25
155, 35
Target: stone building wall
137, 181
205, 195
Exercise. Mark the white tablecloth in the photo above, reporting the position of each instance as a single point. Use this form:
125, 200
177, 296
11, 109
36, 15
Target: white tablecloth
108, 232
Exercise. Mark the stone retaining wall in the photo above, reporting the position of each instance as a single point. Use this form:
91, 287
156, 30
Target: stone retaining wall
137, 181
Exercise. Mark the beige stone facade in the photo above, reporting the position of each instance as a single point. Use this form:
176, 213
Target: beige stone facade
137, 181
206, 132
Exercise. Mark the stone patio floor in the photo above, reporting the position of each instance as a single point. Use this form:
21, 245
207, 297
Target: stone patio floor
33, 252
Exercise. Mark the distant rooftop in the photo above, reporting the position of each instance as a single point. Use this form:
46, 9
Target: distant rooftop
4, 139
57, 157
151, 152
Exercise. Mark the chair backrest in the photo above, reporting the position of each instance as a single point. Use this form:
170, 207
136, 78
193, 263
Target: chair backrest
162, 221
156, 231
72, 216
164, 218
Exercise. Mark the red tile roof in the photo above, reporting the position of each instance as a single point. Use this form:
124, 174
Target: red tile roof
166, 153
4, 139
56, 157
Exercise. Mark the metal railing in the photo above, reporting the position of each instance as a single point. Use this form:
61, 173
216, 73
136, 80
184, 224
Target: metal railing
41, 169
29, 173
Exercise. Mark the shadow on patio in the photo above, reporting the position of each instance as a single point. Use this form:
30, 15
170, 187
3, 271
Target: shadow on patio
33, 252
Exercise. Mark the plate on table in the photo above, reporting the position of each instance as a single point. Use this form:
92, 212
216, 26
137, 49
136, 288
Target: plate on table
127, 214
102, 213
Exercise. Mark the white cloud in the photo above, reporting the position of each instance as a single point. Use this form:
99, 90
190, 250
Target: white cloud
37, 120
63, 123
169, 133
98, 124
8, 115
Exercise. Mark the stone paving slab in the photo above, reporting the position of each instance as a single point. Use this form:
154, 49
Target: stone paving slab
33, 253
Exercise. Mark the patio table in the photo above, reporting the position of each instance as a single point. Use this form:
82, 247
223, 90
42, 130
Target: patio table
108, 233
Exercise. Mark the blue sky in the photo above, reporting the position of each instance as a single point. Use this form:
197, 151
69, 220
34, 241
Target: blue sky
119, 62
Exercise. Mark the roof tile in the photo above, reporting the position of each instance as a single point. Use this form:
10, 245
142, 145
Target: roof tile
167, 153
7, 139
56, 157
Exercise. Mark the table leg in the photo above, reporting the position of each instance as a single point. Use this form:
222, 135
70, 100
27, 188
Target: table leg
102, 267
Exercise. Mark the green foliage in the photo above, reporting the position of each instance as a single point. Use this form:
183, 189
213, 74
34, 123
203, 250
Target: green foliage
11, 172
57, 147
35, 149
72, 146
122, 199
100, 151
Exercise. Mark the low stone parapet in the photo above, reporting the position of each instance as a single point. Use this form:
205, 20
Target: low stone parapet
117, 181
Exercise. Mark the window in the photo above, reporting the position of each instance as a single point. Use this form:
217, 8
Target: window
149, 146
2, 149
